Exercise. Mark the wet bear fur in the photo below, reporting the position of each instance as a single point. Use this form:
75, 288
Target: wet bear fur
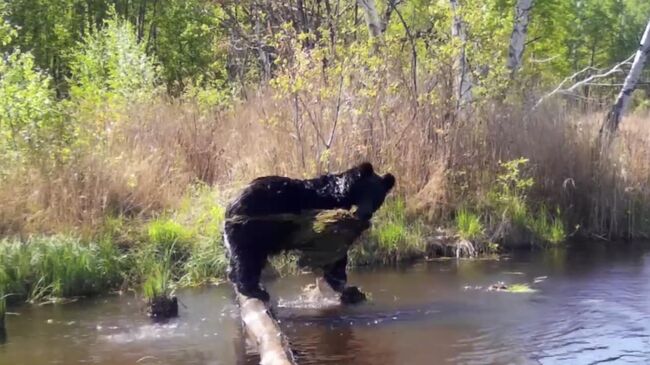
250, 242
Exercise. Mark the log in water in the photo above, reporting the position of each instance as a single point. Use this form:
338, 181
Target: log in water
264, 332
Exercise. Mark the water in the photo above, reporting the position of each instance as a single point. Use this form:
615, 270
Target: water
590, 307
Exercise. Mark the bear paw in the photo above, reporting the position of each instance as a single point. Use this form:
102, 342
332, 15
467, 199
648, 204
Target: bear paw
256, 292
352, 295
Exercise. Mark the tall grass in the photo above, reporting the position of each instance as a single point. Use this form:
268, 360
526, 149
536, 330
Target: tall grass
44, 268
202, 212
157, 154
207, 263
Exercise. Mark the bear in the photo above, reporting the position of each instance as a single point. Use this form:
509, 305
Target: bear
251, 235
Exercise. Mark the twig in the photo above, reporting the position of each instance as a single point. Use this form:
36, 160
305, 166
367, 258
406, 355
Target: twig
336, 115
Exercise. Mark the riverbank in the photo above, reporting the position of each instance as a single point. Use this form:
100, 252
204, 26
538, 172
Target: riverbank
181, 247
184, 248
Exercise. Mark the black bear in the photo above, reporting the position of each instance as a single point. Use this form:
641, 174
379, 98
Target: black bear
251, 237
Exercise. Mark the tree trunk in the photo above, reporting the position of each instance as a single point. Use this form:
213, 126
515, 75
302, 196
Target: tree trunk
141, 20
372, 19
463, 77
610, 125
303, 27
518, 36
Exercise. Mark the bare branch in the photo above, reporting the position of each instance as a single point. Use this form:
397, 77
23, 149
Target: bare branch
414, 53
587, 81
616, 68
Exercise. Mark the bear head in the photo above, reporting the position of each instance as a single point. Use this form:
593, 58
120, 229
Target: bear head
368, 189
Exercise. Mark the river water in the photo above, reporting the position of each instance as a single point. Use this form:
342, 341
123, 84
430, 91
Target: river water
589, 306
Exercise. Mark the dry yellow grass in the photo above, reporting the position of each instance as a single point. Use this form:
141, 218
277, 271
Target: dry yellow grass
150, 158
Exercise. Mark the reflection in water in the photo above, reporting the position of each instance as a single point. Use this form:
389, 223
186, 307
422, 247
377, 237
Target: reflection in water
591, 307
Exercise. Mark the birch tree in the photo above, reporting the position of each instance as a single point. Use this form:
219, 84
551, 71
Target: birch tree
519, 33
372, 18
610, 125
463, 77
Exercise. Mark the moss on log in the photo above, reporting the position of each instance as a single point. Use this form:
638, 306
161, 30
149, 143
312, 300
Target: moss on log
325, 236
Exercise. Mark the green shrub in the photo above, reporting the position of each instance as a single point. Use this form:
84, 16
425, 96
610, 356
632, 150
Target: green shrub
201, 212
32, 128
194, 238
110, 68
510, 195
509, 200
7, 30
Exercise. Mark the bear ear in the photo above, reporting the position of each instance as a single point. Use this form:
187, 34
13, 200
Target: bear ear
389, 181
366, 169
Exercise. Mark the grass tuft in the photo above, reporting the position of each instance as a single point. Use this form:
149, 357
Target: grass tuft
394, 237
547, 228
468, 225
166, 236
159, 280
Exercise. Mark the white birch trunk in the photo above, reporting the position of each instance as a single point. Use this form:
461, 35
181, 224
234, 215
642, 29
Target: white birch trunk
623, 100
372, 18
519, 32
463, 78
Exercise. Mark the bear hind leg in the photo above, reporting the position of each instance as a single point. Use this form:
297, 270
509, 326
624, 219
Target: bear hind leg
245, 273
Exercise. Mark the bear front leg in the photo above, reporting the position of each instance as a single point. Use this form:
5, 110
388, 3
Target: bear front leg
336, 276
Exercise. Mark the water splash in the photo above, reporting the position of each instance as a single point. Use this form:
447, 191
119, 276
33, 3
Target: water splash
151, 332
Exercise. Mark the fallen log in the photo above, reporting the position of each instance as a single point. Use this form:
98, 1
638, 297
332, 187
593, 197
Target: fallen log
264, 332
